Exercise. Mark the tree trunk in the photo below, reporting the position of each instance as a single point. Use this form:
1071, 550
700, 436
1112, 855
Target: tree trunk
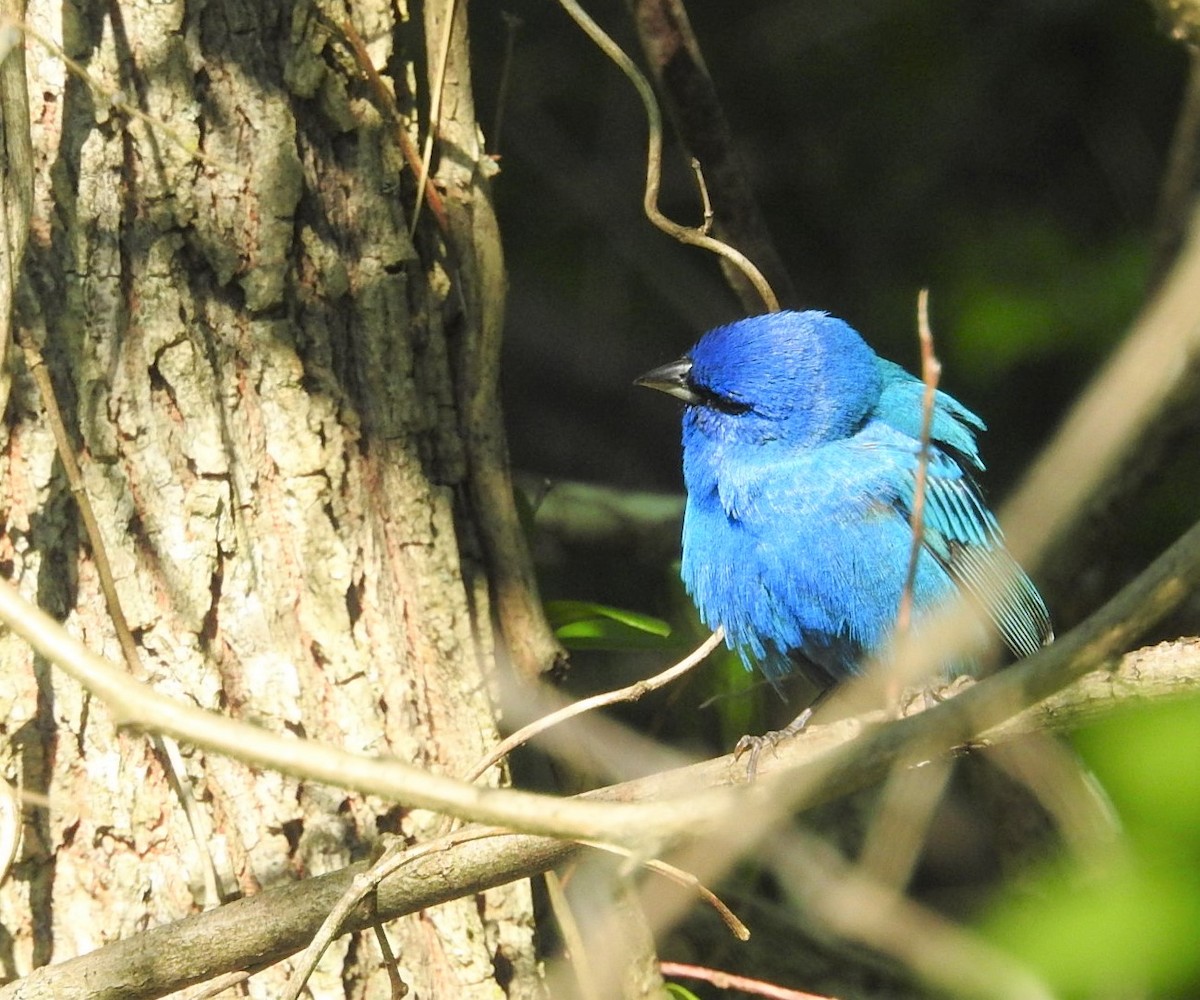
262, 374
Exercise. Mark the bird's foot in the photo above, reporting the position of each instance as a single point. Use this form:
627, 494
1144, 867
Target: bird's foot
754, 745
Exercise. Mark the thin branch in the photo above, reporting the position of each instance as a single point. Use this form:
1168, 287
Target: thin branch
690, 98
910, 795
365, 885
512, 24
117, 100
931, 372
399, 987
215, 987
36, 366
953, 959
690, 881
262, 929
165, 748
683, 878
691, 236
705, 201
731, 981
385, 101
632, 692
435, 113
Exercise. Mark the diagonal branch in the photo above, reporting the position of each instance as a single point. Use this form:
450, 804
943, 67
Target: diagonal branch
257, 931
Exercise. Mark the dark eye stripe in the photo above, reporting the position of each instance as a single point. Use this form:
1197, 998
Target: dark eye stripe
715, 401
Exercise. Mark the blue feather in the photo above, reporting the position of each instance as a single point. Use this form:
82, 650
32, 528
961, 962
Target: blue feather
800, 455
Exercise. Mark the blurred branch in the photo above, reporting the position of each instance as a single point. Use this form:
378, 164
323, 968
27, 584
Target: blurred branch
1179, 181
1098, 642
694, 236
1143, 406
953, 959
1116, 432
268, 927
1181, 19
691, 101
631, 692
477, 249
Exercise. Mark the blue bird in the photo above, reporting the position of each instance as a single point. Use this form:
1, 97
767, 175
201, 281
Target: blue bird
800, 453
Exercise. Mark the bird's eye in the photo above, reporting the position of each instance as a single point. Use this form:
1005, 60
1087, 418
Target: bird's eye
715, 401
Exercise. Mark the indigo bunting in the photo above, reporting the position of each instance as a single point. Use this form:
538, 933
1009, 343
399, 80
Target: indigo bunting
800, 454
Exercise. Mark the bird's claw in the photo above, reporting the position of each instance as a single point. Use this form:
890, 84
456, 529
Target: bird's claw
754, 746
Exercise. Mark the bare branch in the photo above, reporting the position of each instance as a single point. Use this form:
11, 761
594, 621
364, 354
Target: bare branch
695, 236
280, 921
1101, 447
675, 60
931, 373
632, 692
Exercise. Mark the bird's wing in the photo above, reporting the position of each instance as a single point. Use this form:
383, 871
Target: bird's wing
900, 406
962, 534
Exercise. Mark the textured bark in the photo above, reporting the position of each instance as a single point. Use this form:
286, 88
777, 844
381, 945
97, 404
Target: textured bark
254, 359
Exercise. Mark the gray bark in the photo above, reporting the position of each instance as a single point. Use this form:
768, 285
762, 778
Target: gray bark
258, 367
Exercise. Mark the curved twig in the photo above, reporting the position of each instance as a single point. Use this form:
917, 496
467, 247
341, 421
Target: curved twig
630, 693
691, 236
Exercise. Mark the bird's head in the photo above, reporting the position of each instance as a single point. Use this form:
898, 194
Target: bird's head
798, 377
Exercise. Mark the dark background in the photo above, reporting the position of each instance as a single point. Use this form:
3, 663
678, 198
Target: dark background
1007, 155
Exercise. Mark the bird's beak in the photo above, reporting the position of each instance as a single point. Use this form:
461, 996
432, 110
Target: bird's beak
671, 379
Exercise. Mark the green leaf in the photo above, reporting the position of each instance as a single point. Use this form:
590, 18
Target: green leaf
563, 613
1148, 759
1131, 927
587, 625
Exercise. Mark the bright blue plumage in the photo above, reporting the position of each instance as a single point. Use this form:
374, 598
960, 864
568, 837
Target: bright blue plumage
800, 451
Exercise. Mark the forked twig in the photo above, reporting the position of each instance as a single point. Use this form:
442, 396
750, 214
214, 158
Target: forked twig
395, 857
696, 237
